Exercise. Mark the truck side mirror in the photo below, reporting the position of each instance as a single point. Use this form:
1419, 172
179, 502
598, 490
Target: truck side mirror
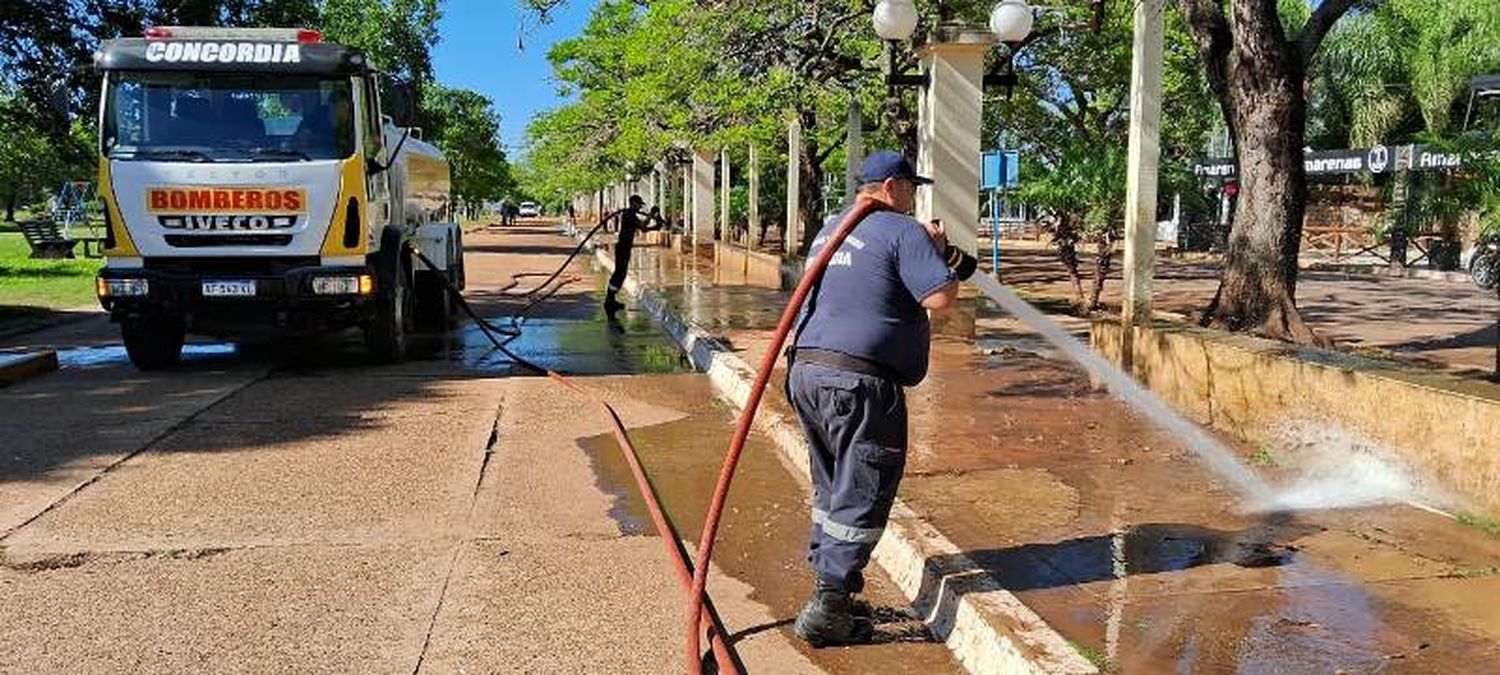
403, 104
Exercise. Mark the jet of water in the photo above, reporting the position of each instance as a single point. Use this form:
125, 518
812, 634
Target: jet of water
1213, 453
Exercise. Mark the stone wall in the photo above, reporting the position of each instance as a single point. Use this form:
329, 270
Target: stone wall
1444, 427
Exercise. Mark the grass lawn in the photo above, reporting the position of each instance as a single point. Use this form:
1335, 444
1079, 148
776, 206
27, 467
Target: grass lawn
31, 290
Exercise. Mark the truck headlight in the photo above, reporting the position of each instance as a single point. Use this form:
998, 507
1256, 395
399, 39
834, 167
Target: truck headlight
362, 284
122, 288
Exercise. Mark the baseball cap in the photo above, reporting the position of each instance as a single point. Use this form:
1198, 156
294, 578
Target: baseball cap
886, 164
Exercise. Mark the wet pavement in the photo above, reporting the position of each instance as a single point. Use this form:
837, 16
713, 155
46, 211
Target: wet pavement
1116, 535
763, 536
287, 507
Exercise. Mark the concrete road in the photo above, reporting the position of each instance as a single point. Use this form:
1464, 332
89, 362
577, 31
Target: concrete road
287, 509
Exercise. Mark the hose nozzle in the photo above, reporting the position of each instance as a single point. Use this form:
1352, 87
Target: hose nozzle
962, 264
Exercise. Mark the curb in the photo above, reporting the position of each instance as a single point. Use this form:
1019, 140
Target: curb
26, 365
1383, 271
987, 628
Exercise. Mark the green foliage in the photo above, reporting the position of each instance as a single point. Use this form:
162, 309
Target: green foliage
398, 35
465, 126
649, 77
1386, 75
33, 163
1484, 524
1070, 117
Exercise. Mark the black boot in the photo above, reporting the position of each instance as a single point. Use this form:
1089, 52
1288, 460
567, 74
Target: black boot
828, 619
611, 305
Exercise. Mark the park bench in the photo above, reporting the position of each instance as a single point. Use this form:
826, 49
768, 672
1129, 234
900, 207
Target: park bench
48, 241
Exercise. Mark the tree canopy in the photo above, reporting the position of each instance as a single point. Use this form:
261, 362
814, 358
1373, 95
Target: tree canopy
45, 46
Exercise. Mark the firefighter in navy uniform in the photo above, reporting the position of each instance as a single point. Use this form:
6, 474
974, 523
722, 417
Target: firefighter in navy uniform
631, 221
863, 336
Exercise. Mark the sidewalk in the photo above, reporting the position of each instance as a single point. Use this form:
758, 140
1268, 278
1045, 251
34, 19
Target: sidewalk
1437, 323
1118, 538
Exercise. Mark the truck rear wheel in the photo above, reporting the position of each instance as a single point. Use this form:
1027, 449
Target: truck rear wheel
434, 303
385, 337
153, 343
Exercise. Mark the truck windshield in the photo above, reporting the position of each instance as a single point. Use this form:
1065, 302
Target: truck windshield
227, 117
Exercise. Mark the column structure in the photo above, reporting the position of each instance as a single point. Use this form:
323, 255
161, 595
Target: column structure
687, 200
1143, 162
792, 233
703, 197
752, 235
948, 130
725, 190
854, 147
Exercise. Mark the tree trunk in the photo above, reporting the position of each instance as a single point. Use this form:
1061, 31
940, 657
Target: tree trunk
810, 192
1257, 72
1399, 243
1267, 112
10, 208
1105, 252
1399, 234
1066, 238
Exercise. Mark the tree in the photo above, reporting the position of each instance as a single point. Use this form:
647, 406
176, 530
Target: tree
1256, 68
1069, 118
32, 162
465, 126
398, 35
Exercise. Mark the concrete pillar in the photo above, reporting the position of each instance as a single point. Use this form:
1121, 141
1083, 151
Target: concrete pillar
703, 197
948, 129
753, 226
792, 233
687, 200
725, 191
1142, 164
854, 147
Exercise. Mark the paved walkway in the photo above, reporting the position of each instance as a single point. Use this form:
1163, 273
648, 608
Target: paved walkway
293, 510
1115, 534
1442, 323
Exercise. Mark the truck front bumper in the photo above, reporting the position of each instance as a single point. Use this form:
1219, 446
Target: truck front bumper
283, 300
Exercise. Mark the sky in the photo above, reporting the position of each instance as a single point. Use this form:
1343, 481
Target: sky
478, 50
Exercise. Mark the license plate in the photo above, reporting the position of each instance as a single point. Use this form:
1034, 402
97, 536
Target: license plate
228, 289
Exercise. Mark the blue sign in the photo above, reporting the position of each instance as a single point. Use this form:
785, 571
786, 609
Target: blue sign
1000, 169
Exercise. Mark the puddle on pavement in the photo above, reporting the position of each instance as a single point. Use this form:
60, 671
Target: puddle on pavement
1119, 539
763, 536
583, 347
109, 355
1111, 530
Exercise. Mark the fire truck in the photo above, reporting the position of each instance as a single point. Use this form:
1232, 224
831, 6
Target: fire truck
252, 188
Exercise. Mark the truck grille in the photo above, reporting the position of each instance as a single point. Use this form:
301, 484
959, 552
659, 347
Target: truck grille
229, 266
209, 240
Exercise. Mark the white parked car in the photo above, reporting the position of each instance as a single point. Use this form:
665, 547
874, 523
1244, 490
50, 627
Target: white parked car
529, 210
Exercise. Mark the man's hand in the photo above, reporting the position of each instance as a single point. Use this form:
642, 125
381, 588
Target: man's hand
939, 236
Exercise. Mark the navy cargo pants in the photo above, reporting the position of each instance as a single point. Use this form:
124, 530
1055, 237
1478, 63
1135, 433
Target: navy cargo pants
856, 433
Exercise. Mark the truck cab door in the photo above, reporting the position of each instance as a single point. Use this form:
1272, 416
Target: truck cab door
377, 186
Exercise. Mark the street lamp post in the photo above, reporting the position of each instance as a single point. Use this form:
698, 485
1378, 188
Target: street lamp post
949, 111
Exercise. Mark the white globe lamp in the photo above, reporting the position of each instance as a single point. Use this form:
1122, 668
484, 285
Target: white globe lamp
1010, 21
895, 19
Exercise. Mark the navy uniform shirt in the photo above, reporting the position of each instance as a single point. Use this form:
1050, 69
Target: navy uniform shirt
869, 302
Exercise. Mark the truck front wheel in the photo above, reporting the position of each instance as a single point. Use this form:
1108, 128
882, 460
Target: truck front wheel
153, 343
385, 335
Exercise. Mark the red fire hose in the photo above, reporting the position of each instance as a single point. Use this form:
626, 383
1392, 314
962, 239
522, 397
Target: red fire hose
703, 615
697, 598
725, 656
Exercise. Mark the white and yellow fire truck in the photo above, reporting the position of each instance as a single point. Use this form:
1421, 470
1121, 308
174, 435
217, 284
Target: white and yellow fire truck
252, 187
